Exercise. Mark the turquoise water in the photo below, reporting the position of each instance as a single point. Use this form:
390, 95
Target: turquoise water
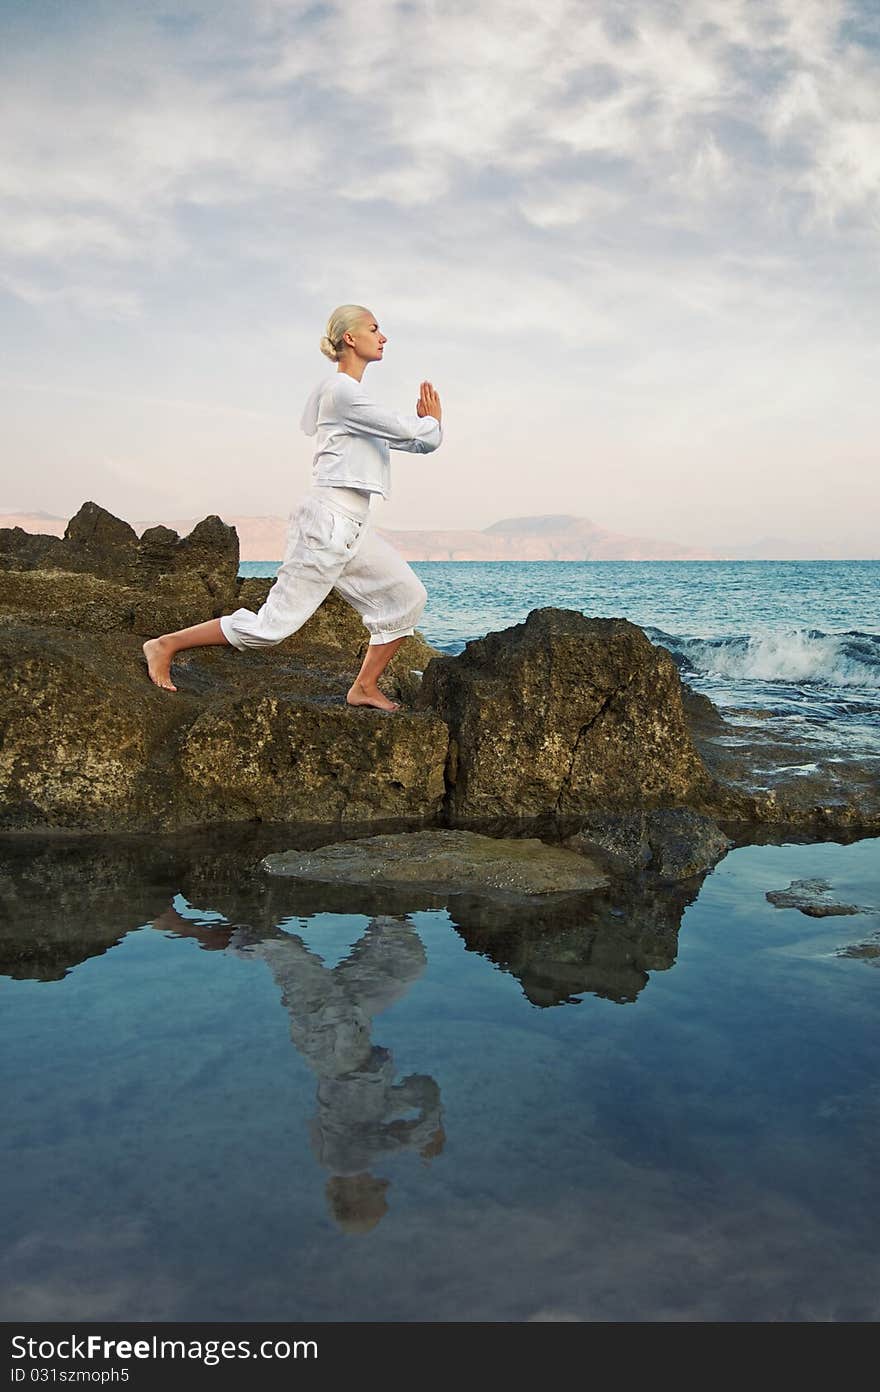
797, 639
233, 1099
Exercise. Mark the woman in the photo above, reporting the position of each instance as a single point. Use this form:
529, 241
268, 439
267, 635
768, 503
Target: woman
330, 543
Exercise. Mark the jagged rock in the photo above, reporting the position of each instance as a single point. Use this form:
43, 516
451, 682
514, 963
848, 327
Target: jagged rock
670, 844
211, 551
158, 550
454, 862
563, 714
21, 550
97, 542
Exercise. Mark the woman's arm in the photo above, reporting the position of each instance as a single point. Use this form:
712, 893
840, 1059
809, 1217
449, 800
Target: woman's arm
359, 415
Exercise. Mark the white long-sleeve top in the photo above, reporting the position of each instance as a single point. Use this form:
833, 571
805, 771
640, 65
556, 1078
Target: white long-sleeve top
355, 435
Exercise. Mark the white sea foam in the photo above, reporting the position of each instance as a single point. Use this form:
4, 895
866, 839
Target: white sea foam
795, 655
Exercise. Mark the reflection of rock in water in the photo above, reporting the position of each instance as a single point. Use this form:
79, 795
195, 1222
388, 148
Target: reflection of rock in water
66, 899
362, 1113
63, 901
605, 944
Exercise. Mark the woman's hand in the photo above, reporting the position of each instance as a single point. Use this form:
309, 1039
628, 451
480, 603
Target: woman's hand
428, 403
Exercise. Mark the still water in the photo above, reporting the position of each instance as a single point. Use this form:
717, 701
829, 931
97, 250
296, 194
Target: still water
233, 1099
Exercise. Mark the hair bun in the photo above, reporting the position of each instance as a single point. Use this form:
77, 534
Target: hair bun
328, 350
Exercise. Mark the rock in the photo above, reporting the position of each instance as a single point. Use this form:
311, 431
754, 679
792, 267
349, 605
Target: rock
450, 861
863, 952
702, 715
88, 742
671, 844
267, 757
97, 542
563, 714
154, 585
558, 720
21, 550
811, 897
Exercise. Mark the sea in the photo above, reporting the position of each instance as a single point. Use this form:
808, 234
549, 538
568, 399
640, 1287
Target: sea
233, 1101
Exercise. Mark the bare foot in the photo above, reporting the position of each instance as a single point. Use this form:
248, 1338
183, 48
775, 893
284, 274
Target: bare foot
360, 695
159, 655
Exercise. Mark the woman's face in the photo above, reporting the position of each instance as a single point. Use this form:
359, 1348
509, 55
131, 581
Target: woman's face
367, 339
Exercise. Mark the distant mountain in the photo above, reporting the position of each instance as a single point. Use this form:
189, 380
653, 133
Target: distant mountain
555, 537
552, 537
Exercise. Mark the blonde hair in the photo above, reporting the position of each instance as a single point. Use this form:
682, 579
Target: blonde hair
341, 321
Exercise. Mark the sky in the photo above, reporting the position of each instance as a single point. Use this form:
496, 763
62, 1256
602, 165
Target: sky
634, 245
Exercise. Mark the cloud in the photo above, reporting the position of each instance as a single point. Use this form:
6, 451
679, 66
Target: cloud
111, 135
664, 200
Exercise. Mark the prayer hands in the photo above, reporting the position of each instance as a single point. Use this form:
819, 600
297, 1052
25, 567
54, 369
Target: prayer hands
428, 403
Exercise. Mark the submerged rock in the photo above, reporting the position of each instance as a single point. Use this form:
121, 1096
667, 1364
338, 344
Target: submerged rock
765, 772
863, 952
449, 861
811, 897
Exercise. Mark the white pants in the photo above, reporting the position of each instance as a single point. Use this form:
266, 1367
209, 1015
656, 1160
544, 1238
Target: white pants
330, 547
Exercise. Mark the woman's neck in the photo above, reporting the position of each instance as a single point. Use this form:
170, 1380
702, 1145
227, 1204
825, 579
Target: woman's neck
352, 367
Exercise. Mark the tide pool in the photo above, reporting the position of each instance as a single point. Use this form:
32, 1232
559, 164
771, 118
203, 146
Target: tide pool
233, 1101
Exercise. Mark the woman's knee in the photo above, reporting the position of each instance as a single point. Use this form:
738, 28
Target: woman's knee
266, 628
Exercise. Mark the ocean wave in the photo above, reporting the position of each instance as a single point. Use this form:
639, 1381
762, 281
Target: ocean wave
800, 655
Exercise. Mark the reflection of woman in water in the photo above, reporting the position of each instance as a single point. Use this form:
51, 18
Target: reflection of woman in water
362, 1113
330, 542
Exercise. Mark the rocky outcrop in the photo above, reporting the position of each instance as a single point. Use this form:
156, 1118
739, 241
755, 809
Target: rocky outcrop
565, 714
88, 743
152, 585
562, 720
564, 717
